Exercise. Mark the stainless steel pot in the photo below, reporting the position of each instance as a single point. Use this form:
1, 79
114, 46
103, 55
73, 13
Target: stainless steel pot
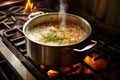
56, 56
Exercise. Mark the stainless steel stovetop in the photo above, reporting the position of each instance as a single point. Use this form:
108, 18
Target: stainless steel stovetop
16, 65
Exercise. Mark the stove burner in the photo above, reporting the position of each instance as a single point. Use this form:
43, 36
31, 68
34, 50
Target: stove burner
3, 15
16, 37
13, 11
101, 63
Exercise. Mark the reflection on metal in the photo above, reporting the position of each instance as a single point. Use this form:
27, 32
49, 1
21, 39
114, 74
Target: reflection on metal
107, 11
16, 64
100, 9
10, 2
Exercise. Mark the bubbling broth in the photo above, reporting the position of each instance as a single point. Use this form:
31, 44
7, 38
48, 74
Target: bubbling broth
51, 34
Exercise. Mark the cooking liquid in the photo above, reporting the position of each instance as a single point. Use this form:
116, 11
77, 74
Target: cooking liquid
49, 34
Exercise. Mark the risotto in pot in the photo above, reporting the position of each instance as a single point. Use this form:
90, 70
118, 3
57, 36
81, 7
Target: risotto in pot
52, 34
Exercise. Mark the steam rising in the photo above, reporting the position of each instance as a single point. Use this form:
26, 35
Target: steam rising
62, 15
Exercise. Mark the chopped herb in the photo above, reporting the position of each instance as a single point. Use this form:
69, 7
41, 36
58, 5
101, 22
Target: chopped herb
52, 37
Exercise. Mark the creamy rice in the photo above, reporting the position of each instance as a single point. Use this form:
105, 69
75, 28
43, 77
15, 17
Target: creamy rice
51, 34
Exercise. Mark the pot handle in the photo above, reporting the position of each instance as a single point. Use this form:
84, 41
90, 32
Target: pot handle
87, 47
35, 14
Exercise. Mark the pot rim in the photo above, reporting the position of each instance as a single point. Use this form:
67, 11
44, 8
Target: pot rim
52, 13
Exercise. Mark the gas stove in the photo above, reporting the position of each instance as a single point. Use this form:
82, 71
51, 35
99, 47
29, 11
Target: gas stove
101, 63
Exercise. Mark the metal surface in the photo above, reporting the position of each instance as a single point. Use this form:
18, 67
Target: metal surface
87, 47
49, 55
106, 11
15, 63
107, 47
9, 2
18, 41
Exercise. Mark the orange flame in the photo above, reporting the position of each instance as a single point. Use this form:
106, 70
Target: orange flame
29, 7
52, 73
97, 65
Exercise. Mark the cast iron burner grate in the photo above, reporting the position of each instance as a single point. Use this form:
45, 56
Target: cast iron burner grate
107, 47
